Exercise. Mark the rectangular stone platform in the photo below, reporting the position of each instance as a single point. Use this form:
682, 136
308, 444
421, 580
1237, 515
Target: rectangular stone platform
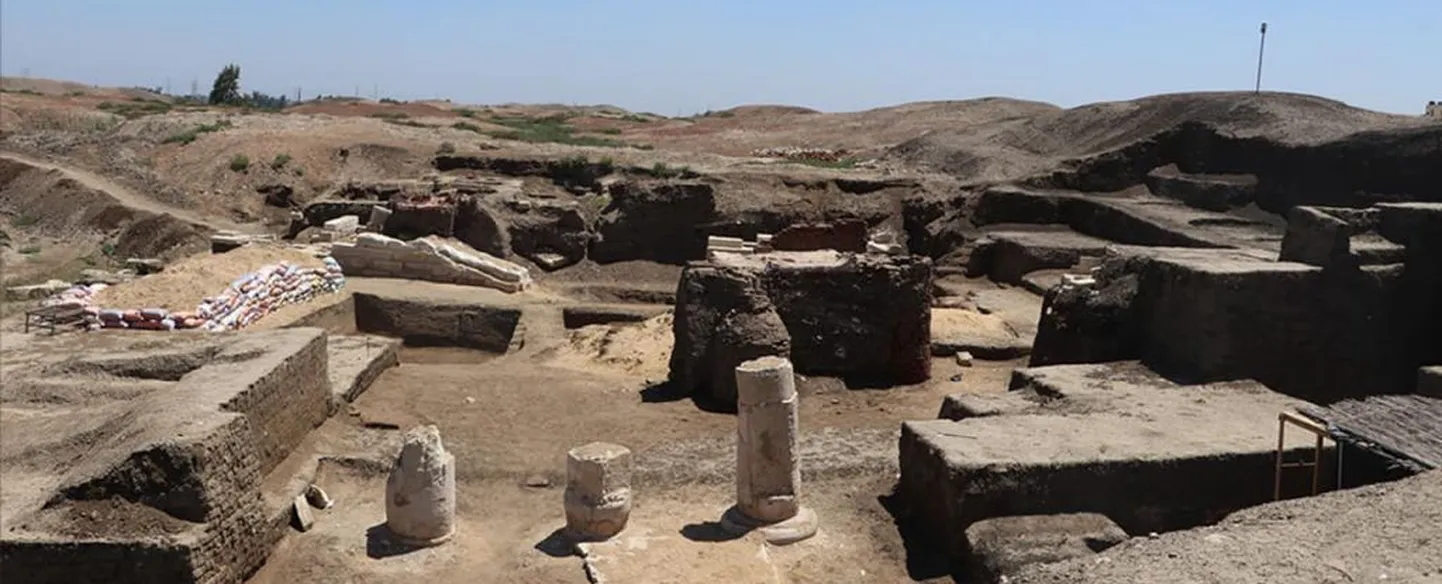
1114, 439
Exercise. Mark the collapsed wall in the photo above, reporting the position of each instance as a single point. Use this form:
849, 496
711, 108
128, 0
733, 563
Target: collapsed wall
188, 459
1351, 310
860, 316
431, 259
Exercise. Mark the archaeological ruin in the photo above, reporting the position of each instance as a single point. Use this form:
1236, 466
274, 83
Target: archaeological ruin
1156, 340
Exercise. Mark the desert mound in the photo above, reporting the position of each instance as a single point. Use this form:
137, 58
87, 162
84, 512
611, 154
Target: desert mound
1019, 147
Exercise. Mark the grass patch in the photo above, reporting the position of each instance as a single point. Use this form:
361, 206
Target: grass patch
280, 161
466, 113
390, 115
391, 101
661, 170
135, 108
548, 129
467, 126
446, 148
410, 123
21, 91
30, 250
843, 163
239, 163
24, 220
635, 118
190, 135
609, 131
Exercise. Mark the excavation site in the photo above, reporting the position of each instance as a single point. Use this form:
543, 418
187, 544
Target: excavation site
1192, 337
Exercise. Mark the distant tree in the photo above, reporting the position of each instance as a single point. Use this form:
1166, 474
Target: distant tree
226, 89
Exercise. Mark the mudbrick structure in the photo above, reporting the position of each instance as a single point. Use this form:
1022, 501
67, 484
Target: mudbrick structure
166, 454
866, 317
1156, 380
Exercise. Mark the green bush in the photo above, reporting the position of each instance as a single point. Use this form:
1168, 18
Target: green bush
239, 163
280, 161
190, 135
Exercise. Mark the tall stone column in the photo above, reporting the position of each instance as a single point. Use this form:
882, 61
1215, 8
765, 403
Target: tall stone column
768, 470
421, 490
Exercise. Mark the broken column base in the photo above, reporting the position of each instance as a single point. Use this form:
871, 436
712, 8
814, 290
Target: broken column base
800, 527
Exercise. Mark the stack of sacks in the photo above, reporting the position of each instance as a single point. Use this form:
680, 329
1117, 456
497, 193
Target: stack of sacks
149, 319
257, 294
82, 296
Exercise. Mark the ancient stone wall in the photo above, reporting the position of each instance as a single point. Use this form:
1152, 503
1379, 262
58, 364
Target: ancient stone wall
377, 256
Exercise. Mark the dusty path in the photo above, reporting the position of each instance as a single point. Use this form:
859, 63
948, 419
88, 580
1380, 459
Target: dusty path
129, 198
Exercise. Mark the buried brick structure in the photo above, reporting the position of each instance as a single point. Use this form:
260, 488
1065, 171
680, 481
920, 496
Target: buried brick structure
863, 317
174, 471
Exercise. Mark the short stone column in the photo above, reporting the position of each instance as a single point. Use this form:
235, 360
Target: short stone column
421, 490
598, 491
768, 470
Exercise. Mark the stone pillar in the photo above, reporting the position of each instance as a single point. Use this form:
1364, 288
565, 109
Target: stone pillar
598, 491
768, 472
421, 490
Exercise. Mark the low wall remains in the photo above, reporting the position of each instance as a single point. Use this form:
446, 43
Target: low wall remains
436, 322
192, 456
431, 259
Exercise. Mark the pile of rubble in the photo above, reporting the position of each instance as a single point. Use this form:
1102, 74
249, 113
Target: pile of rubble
804, 153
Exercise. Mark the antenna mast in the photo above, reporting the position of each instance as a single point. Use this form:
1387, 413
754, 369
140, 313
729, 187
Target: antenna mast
1261, 49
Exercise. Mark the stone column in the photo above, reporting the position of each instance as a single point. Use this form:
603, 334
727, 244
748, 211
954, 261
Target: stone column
768, 472
598, 491
421, 490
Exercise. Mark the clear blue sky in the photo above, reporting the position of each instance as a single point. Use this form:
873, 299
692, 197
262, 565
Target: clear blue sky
684, 56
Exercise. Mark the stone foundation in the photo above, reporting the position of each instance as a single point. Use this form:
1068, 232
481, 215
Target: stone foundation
378, 256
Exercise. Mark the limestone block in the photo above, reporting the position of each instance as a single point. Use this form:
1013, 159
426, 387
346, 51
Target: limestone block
421, 490
343, 224
598, 490
378, 217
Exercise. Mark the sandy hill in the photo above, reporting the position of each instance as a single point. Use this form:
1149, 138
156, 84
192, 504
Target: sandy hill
1015, 148
739, 131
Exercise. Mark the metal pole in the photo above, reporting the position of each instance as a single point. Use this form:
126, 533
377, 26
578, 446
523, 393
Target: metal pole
1261, 49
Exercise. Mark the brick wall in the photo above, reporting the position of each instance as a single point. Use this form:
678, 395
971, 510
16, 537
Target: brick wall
286, 402
210, 474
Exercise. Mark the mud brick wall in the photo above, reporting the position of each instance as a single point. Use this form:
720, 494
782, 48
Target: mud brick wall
425, 322
1213, 322
287, 402
236, 541
869, 319
93, 562
1141, 496
408, 221
841, 235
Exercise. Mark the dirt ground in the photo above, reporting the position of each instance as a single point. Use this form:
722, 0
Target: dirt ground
509, 420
